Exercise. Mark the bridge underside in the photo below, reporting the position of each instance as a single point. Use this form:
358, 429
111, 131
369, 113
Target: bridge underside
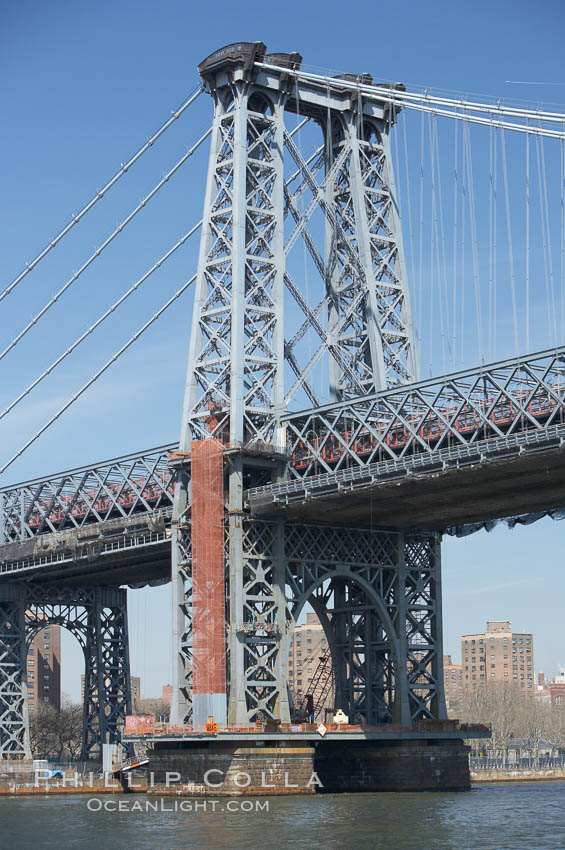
434, 494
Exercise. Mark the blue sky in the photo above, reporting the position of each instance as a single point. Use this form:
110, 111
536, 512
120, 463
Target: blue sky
85, 84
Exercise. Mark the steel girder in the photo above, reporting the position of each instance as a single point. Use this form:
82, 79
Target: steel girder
114, 489
235, 387
455, 412
14, 729
378, 597
97, 617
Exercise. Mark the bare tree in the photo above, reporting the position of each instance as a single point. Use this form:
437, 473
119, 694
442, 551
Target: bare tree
57, 734
534, 724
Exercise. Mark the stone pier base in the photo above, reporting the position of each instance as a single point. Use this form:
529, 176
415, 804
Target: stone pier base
401, 766
216, 767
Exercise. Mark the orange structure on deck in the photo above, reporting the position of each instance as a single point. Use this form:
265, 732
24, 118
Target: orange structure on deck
208, 579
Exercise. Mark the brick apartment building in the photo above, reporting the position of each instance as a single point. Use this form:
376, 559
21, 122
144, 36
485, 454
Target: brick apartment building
43, 669
308, 645
498, 655
452, 683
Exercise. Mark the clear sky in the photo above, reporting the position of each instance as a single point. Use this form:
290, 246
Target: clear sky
83, 85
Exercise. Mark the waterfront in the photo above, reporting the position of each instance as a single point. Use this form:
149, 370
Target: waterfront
494, 817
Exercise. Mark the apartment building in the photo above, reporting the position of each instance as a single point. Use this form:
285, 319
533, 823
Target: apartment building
498, 655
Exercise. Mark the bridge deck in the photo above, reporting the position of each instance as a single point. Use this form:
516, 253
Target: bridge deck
512, 475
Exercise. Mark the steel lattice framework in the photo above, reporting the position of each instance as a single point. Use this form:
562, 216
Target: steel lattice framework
237, 386
377, 592
97, 617
455, 411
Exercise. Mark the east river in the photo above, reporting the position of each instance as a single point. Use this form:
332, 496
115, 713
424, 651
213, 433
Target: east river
494, 816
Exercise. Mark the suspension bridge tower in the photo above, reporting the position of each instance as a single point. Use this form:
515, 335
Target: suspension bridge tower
240, 582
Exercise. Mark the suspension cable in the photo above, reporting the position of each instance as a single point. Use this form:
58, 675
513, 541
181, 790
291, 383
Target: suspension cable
94, 200
528, 243
474, 246
100, 372
509, 239
102, 318
105, 244
409, 99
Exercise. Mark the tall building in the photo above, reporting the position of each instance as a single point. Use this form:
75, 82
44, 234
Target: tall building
43, 669
452, 683
498, 655
308, 646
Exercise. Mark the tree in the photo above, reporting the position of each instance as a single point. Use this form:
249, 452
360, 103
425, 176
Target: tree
501, 706
57, 734
534, 724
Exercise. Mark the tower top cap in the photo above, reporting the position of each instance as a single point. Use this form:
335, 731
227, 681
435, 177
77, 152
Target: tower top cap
244, 54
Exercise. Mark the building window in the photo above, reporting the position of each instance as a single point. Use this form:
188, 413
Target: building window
492, 675
45, 699
31, 663
492, 666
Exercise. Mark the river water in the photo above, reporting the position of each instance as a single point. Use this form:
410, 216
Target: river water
490, 817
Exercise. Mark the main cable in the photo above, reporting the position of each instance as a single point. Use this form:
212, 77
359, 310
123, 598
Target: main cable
102, 318
105, 244
97, 374
100, 194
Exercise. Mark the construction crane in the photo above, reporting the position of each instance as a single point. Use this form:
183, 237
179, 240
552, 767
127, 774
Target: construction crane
320, 685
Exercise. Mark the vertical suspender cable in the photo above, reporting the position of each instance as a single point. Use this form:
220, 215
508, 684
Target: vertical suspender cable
455, 209
562, 202
509, 238
490, 248
433, 263
421, 235
473, 226
528, 242
549, 251
409, 207
438, 230
443, 265
550, 301
463, 233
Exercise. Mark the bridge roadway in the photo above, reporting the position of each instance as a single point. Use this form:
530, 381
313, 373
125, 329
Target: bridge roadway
450, 454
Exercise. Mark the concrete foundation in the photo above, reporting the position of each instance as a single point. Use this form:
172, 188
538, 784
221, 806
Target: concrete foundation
403, 766
224, 768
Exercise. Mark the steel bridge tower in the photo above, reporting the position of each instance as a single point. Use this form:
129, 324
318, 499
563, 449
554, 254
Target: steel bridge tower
239, 582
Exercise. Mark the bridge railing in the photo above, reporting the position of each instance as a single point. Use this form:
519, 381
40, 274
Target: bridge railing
114, 489
500, 399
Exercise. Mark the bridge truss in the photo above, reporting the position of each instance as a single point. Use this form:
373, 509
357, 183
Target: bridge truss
67, 542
